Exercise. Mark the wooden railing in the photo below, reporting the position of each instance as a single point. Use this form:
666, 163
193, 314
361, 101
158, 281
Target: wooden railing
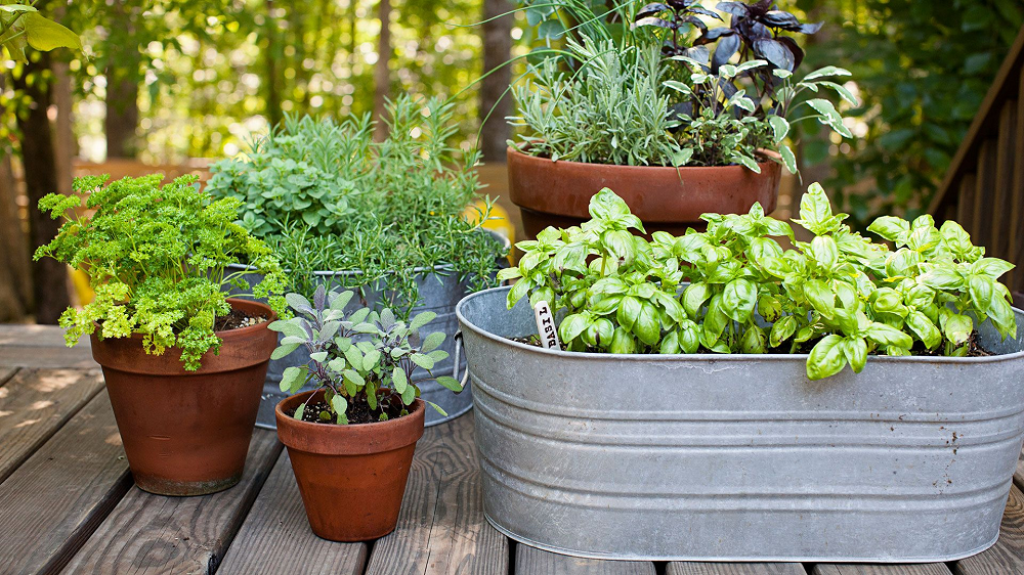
984, 187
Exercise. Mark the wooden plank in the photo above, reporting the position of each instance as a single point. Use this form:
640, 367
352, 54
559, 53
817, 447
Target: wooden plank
30, 335
149, 533
1016, 226
844, 569
6, 373
997, 240
276, 539
735, 569
34, 404
1007, 555
54, 501
442, 528
965, 201
41, 346
1018, 475
984, 192
533, 561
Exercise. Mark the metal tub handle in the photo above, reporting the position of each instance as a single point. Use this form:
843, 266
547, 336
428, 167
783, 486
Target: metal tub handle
457, 340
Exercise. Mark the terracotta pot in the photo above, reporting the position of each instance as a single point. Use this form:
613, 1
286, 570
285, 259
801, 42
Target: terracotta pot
351, 477
188, 432
558, 193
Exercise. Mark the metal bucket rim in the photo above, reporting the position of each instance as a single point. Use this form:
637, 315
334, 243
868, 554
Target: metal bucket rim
505, 244
707, 357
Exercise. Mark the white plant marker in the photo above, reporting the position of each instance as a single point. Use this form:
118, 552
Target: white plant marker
546, 325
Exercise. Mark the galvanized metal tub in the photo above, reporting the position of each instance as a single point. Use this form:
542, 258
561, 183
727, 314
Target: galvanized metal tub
740, 457
440, 292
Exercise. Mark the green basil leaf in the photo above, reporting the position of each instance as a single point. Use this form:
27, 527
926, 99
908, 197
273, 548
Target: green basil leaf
856, 351
885, 335
738, 299
694, 297
821, 297
782, 330
647, 326
924, 329
826, 358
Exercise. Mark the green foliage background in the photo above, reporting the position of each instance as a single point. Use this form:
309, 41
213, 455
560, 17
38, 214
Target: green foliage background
203, 72
922, 69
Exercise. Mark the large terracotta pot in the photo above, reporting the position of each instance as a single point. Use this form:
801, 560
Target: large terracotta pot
351, 477
558, 193
188, 432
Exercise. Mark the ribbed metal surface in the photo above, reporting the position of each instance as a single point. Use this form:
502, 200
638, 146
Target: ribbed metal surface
716, 457
440, 294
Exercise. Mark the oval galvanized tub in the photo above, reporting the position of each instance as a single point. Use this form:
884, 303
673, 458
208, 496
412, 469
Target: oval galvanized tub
440, 294
740, 457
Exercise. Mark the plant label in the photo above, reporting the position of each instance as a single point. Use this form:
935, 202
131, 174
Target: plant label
546, 325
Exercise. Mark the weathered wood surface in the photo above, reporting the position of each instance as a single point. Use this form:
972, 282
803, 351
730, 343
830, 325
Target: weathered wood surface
149, 533
67, 504
925, 569
41, 346
52, 503
441, 528
533, 561
735, 569
276, 540
1007, 555
34, 404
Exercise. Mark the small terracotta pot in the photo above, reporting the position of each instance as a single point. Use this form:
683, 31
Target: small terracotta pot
188, 432
351, 477
558, 193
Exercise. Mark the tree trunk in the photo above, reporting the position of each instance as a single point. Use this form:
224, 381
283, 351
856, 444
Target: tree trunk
123, 79
49, 278
64, 136
381, 73
16, 276
497, 39
273, 94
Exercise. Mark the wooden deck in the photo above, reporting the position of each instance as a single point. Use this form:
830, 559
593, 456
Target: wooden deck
67, 503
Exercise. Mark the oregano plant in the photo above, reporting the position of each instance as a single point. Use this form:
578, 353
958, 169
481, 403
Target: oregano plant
734, 289
156, 257
357, 356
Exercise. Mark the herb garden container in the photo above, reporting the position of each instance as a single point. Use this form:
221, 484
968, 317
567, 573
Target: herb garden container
440, 293
351, 477
669, 199
741, 457
188, 432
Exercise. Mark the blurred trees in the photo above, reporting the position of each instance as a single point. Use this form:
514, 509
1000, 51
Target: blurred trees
168, 80
921, 69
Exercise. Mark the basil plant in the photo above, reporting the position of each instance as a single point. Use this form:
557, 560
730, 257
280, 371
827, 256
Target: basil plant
841, 296
360, 355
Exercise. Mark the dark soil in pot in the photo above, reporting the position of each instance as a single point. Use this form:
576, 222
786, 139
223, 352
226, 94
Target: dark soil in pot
188, 433
351, 477
359, 410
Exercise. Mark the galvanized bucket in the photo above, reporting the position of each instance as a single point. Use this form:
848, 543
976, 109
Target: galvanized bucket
740, 457
440, 293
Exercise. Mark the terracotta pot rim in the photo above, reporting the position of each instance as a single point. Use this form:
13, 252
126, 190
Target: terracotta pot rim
378, 436
523, 157
224, 333
109, 352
